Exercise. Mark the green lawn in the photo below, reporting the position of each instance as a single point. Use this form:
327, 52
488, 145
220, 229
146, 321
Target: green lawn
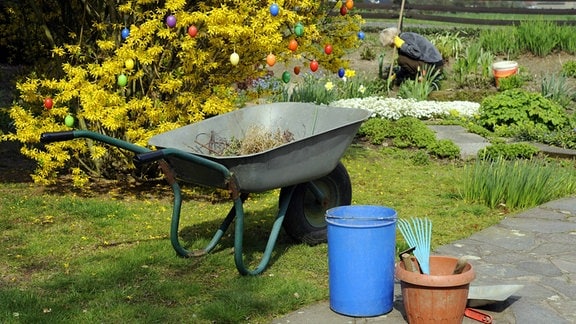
71, 259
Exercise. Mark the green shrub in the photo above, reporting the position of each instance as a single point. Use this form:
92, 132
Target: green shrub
510, 82
406, 132
509, 151
445, 148
519, 107
420, 157
376, 130
569, 69
412, 132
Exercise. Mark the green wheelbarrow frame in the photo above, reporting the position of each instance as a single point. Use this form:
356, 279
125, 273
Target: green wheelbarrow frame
145, 155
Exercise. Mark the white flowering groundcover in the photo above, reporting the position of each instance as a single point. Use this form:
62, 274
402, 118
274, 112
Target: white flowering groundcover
394, 108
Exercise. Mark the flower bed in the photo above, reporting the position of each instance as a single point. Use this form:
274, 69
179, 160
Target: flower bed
392, 108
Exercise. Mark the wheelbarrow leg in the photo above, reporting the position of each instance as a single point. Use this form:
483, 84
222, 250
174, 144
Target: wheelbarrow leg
175, 224
239, 235
223, 227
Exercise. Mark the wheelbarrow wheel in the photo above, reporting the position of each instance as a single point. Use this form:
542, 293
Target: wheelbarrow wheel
305, 217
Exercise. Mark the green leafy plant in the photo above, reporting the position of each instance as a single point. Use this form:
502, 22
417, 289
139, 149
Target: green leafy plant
449, 44
426, 81
367, 53
311, 89
324, 90
474, 67
510, 82
569, 69
412, 132
444, 148
555, 87
376, 130
508, 151
519, 107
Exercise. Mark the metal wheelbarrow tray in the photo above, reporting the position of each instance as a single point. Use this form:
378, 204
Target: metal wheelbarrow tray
306, 169
321, 136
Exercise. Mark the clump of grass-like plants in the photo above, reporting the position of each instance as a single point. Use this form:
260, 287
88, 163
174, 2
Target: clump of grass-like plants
426, 81
539, 36
516, 184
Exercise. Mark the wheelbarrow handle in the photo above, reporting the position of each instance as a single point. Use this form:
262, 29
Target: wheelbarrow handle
57, 137
149, 157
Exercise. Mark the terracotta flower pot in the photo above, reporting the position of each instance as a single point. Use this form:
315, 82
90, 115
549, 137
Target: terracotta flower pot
436, 298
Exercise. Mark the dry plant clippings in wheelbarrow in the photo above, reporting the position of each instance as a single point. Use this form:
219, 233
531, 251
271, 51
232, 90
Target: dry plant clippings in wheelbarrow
256, 139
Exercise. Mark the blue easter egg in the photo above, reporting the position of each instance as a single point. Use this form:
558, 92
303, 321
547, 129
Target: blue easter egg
341, 72
361, 35
125, 33
274, 9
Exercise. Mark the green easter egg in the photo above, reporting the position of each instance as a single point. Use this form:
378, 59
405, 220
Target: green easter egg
69, 121
122, 80
299, 29
286, 76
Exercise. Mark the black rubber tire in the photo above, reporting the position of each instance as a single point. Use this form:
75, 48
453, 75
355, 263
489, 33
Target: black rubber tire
305, 218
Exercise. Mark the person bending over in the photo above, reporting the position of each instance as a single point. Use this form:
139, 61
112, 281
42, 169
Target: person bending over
414, 52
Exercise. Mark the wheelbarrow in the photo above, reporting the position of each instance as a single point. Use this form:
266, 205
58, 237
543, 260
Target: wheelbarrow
307, 169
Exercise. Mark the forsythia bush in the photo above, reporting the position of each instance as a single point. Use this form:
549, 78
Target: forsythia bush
162, 65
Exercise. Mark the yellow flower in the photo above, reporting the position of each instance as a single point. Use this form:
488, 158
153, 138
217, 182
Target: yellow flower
349, 73
362, 89
329, 85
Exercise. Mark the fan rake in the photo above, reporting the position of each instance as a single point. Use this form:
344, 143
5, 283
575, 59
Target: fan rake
418, 234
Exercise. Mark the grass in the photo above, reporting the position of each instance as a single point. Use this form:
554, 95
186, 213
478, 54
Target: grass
72, 259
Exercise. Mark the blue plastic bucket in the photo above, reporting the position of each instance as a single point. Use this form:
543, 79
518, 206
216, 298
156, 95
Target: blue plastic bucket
361, 249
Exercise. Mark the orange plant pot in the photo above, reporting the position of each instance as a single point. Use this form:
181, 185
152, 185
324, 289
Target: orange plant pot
439, 297
504, 69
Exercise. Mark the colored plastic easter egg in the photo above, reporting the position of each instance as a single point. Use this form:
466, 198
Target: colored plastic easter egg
343, 10
125, 33
286, 76
328, 49
293, 45
314, 66
349, 4
296, 70
234, 58
299, 29
271, 59
48, 103
69, 121
192, 31
274, 9
122, 80
361, 35
129, 64
171, 21
341, 72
